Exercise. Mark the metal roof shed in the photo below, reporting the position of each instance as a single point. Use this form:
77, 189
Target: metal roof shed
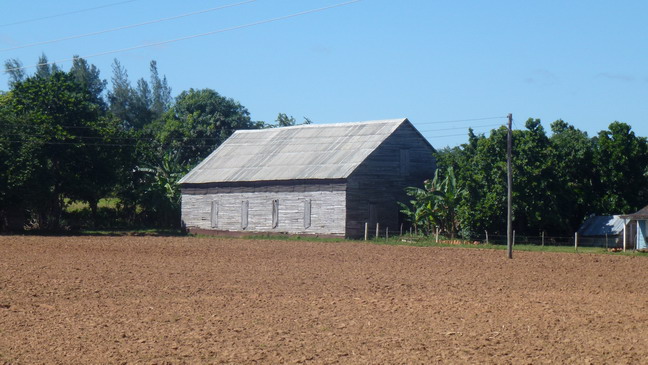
604, 231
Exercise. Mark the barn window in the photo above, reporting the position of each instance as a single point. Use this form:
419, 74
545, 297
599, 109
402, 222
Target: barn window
275, 213
214, 214
307, 213
404, 162
244, 213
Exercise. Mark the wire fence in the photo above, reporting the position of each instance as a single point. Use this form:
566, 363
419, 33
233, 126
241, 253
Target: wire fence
609, 241
547, 240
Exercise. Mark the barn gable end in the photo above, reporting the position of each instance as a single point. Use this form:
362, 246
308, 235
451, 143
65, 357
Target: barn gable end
374, 188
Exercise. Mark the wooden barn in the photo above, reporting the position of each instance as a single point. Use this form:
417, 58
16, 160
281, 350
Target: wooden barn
309, 179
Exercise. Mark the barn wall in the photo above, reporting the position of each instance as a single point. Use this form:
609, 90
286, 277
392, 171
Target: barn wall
327, 207
379, 182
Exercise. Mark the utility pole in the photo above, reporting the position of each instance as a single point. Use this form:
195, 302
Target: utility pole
509, 216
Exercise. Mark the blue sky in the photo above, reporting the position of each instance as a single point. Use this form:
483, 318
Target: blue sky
433, 62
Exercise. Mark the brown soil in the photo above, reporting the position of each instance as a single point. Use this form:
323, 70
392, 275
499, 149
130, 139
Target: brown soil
201, 300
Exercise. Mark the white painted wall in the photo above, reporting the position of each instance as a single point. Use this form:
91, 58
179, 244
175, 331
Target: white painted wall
328, 211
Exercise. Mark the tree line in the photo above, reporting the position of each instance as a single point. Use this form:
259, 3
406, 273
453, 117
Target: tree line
66, 137
558, 180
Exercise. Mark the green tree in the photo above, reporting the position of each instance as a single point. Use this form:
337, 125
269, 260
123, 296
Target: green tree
161, 93
44, 69
199, 122
141, 104
51, 113
283, 120
621, 163
89, 78
9, 153
14, 68
535, 181
574, 169
120, 97
62, 144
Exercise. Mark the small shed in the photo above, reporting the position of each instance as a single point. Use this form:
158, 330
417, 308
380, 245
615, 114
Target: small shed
602, 231
637, 223
327, 179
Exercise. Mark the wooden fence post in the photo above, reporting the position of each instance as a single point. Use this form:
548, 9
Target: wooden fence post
366, 230
542, 238
606, 241
486, 237
386, 233
513, 237
377, 230
401, 229
436, 237
576, 241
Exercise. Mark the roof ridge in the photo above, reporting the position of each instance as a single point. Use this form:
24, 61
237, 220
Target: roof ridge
324, 125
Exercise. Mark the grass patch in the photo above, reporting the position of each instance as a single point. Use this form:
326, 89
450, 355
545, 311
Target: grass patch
422, 241
161, 232
77, 206
166, 232
287, 237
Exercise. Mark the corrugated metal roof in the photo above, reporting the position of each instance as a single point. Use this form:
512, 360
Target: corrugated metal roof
602, 225
323, 151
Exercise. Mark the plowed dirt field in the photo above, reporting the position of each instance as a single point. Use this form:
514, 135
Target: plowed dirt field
160, 300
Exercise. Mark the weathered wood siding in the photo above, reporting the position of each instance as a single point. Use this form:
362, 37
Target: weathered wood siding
373, 190
327, 208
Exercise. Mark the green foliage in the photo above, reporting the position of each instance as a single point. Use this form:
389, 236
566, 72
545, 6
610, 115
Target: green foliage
283, 120
161, 93
573, 161
436, 204
120, 97
15, 69
621, 163
64, 139
54, 128
61, 142
557, 181
199, 122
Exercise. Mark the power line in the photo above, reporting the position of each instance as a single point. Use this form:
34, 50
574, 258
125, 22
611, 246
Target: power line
80, 139
147, 139
215, 138
73, 143
193, 36
460, 120
127, 26
447, 135
66, 13
447, 129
